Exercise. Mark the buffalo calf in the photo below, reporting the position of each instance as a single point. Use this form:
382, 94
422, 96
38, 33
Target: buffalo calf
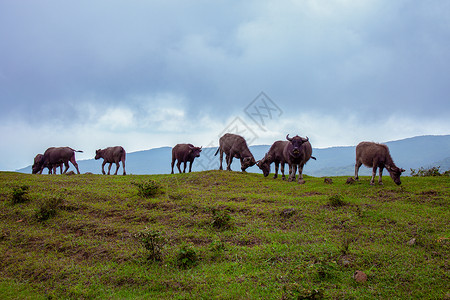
185, 153
275, 155
112, 155
234, 145
375, 156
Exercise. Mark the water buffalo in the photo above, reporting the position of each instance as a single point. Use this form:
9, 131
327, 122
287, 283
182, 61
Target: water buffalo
185, 153
275, 155
235, 146
375, 156
51, 169
55, 156
112, 155
297, 152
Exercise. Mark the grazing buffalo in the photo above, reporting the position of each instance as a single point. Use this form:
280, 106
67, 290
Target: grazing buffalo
275, 155
185, 153
112, 155
297, 152
235, 146
38, 157
375, 156
54, 156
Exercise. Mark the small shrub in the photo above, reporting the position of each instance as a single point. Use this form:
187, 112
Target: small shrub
325, 270
336, 200
217, 247
148, 189
19, 194
187, 257
422, 172
153, 243
221, 219
48, 209
346, 241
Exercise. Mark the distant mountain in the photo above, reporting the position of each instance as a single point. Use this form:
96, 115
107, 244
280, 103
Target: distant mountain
415, 152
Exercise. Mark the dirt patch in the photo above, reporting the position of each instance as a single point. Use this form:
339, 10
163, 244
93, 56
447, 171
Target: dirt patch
431, 193
247, 242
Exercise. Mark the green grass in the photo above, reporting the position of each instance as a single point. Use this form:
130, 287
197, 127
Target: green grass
253, 237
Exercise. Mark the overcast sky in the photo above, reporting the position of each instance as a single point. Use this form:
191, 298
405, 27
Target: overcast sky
146, 74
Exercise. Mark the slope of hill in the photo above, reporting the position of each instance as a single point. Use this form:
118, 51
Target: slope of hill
415, 152
221, 235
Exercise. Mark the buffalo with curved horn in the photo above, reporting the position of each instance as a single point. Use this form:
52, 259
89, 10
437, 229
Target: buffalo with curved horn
297, 152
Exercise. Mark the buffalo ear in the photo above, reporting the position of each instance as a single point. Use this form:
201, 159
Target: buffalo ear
402, 170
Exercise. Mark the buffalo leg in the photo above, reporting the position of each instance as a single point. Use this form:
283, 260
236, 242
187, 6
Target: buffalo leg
66, 164
277, 165
109, 168
178, 166
374, 172
74, 163
117, 167
123, 166
190, 165
381, 175
292, 171
221, 159
103, 167
184, 170
282, 172
242, 163
357, 166
229, 159
173, 163
300, 174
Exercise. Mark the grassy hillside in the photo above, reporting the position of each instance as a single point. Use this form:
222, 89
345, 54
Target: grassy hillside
222, 235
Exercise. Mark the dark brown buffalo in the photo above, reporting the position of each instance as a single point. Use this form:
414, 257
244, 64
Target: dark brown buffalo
375, 156
185, 153
234, 145
49, 167
275, 155
112, 155
54, 156
297, 152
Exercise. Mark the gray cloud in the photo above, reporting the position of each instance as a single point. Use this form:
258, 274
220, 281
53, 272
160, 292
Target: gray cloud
66, 64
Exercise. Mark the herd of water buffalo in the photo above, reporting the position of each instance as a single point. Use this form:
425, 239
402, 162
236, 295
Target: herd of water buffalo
295, 151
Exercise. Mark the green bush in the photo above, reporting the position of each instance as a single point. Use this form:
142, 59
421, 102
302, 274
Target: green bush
217, 247
422, 172
153, 243
148, 189
19, 194
221, 219
186, 257
336, 200
48, 208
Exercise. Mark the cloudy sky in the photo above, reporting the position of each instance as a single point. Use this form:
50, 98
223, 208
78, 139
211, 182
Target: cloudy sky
146, 74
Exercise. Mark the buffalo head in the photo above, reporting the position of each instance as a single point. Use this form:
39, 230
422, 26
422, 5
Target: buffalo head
195, 151
395, 173
264, 165
98, 154
247, 162
297, 143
